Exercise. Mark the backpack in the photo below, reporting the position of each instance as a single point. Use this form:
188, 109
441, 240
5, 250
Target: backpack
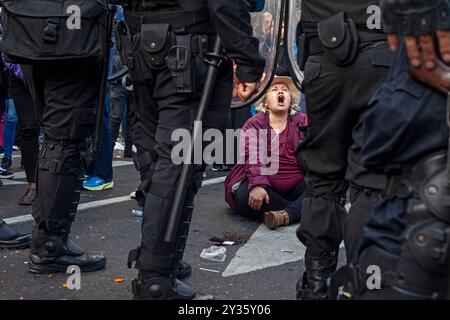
37, 30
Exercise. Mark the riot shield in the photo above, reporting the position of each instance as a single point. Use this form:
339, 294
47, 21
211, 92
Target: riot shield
267, 27
293, 40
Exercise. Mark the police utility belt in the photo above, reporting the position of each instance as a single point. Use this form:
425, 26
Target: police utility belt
340, 39
152, 42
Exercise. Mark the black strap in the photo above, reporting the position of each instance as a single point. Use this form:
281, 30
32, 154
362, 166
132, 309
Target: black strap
399, 186
325, 195
181, 22
316, 46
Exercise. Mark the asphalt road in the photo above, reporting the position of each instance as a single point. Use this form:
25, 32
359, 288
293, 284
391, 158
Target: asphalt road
261, 265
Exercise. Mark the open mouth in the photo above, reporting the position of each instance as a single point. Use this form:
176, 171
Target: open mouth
281, 99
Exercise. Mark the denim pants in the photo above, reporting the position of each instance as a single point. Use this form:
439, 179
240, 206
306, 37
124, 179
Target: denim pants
102, 166
9, 129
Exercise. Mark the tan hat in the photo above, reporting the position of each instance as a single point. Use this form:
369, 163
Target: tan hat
295, 93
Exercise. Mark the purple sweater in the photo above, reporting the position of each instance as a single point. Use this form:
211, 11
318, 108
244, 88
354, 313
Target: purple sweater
15, 68
289, 173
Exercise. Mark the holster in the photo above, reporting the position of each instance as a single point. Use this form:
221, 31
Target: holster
179, 63
340, 39
156, 47
145, 50
156, 41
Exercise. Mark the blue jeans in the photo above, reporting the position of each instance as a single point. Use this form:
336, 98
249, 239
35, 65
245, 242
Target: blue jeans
102, 167
9, 129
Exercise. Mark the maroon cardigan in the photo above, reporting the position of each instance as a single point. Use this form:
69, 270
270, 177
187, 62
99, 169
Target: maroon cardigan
253, 171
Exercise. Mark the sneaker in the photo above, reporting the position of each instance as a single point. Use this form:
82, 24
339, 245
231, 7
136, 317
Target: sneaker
97, 184
220, 167
6, 163
133, 195
6, 174
16, 148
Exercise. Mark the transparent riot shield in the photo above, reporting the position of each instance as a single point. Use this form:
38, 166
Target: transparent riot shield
267, 27
293, 43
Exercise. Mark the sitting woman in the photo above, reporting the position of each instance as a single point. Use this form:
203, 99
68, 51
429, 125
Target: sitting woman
253, 189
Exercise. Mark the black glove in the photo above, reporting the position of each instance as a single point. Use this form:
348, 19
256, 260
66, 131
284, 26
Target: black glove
415, 17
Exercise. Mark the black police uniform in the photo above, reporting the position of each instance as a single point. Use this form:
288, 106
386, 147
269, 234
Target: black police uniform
166, 100
62, 71
65, 97
341, 74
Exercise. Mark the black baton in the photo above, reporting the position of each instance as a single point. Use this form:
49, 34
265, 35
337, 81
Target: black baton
215, 60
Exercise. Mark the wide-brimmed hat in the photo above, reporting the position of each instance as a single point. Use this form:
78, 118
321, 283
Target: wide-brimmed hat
295, 93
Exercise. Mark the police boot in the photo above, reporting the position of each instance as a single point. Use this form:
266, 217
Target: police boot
153, 285
11, 239
313, 285
54, 253
163, 284
54, 210
370, 279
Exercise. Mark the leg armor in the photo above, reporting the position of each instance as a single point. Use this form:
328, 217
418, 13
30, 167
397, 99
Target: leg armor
59, 187
421, 269
160, 263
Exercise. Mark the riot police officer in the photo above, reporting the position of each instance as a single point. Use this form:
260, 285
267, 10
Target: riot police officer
165, 45
62, 70
344, 64
407, 236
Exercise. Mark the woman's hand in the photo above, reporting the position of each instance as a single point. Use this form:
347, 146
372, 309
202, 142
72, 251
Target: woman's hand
256, 198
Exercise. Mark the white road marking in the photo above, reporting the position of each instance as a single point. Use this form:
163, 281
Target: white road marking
21, 174
209, 270
99, 203
19, 219
213, 181
81, 207
267, 248
12, 182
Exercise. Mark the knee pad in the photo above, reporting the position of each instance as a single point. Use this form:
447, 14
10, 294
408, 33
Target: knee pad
62, 157
424, 263
428, 215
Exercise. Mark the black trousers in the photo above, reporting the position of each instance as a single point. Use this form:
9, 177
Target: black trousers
65, 96
160, 110
291, 203
336, 100
27, 128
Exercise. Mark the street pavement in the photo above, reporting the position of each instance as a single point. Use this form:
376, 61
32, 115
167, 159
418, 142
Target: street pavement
261, 265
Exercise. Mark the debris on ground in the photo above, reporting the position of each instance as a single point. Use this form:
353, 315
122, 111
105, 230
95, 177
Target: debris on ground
214, 253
